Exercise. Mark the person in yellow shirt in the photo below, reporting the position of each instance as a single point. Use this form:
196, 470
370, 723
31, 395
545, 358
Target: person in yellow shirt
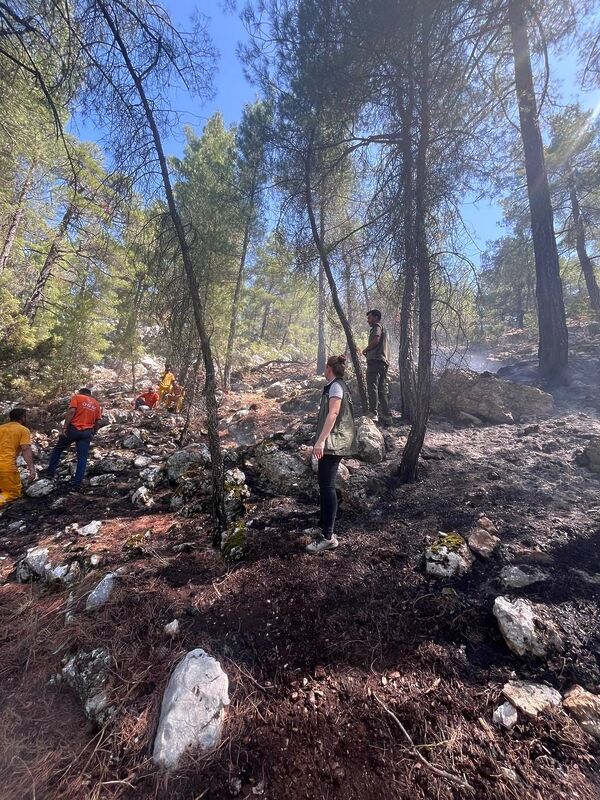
174, 400
15, 439
166, 382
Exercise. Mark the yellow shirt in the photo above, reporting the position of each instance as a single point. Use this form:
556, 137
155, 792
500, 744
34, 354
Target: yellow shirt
166, 381
13, 436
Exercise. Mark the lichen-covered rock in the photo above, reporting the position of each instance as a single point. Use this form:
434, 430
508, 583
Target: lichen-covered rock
488, 397
103, 480
152, 475
527, 628
277, 390
449, 557
87, 674
514, 577
370, 441
183, 461
110, 464
40, 488
236, 493
283, 473
193, 708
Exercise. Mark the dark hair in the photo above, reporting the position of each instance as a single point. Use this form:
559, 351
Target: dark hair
167, 366
17, 414
376, 313
85, 390
338, 365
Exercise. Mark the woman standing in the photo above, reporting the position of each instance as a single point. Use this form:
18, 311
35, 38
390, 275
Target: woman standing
336, 439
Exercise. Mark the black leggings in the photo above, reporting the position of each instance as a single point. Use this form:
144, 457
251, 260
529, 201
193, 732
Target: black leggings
328, 468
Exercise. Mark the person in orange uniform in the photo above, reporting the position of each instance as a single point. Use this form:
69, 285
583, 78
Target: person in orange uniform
148, 398
81, 423
166, 382
15, 440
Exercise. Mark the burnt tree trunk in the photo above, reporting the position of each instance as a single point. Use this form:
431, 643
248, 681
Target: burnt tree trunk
324, 257
13, 226
212, 417
406, 360
553, 351
410, 457
53, 256
587, 266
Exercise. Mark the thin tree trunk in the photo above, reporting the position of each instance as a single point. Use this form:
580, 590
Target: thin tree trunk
410, 456
11, 233
237, 296
406, 358
322, 250
587, 267
212, 417
321, 354
553, 349
32, 303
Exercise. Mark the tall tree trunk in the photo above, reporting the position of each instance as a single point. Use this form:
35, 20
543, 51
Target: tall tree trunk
410, 457
406, 359
212, 416
237, 294
53, 255
553, 349
321, 354
13, 226
587, 267
323, 255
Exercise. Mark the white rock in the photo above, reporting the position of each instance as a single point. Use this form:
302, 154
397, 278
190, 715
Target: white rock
142, 461
142, 498
531, 698
91, 529
518, 577
151, 475
172, 628
40, 488
101, 593
193, 708
277, 390
449, 557
585, 707
33, 565
95, 559
370, 441
505, 715
527, 629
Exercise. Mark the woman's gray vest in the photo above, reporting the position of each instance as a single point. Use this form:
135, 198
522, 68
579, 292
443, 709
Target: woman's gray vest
342, 439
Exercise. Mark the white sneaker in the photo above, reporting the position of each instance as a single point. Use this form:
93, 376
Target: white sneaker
322, 544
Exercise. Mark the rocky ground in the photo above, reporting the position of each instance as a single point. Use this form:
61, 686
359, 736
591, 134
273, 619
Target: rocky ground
405, 664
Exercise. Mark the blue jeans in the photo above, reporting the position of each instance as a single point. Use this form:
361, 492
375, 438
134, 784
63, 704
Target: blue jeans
82, 441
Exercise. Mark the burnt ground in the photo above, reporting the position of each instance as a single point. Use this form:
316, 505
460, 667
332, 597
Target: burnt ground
311, 644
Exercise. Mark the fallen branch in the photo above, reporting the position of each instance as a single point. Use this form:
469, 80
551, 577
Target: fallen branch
448, 776
278, 361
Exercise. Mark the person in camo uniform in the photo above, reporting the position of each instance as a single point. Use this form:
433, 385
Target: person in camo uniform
336, 438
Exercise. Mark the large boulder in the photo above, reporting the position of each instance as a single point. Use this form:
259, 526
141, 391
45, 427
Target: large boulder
527, 628
277, 390
193, 708
492, 399
371, 444
282, 472
188, 459
40, 488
